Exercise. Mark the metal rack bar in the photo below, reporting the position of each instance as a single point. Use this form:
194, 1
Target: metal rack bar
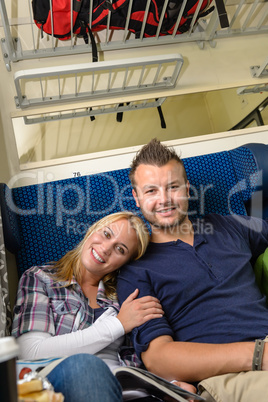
179, 18
95, 111
127, 20
260, 71
116, 78
250, 14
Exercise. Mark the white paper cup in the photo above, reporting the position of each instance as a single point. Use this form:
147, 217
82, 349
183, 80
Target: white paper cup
9, 351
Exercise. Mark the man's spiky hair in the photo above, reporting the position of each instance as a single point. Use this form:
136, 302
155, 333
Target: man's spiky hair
156, 154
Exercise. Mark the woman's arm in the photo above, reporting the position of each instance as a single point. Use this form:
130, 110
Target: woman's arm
34, 313
107, 329
34, 318
37, 345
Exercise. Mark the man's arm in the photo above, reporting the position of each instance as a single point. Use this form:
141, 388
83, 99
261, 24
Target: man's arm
188, 361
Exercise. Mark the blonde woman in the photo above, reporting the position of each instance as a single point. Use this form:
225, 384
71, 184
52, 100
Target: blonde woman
70, 307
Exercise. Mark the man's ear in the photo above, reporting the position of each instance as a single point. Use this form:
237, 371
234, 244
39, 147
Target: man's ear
135, 197
188, 188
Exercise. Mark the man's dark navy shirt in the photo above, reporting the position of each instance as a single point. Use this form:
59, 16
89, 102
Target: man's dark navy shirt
208, 292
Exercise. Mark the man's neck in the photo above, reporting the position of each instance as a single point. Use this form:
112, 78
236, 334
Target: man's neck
182, 232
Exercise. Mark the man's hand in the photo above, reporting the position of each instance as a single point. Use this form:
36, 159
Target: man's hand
186, 386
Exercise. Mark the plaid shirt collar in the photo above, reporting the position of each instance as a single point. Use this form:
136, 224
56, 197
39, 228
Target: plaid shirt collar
102, 299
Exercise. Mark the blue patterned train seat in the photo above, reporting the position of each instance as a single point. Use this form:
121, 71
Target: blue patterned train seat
42, 222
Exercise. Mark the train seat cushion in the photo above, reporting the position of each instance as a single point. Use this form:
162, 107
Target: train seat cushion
46, 220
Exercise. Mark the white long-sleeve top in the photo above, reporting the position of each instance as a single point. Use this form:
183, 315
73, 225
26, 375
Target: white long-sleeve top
54, 319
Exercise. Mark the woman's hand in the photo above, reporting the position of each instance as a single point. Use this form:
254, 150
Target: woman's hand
135, 312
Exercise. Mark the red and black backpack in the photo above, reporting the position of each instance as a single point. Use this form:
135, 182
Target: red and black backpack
73, 16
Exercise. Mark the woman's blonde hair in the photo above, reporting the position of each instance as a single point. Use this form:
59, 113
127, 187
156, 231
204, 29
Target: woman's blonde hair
69, 265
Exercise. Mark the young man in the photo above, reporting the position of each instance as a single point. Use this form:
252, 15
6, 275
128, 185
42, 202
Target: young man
203, 277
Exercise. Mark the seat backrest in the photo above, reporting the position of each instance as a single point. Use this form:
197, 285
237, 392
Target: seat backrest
44, 221
251, 167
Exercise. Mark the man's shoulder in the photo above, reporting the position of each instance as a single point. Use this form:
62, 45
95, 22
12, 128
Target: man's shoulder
141, 265
224, 219
213, 219
240, 223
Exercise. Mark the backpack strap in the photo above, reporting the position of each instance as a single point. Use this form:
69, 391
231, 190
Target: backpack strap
93, 43
119, 115
223, 17
109, 5
162, 119
113, 5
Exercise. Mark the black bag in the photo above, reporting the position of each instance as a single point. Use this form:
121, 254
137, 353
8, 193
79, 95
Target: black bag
76, 20
65, 20
119, 16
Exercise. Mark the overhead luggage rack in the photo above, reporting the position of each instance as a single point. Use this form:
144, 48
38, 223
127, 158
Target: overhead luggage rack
22, 38
94, 111
55, 85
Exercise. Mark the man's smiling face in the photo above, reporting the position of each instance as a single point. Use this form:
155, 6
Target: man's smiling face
162, 194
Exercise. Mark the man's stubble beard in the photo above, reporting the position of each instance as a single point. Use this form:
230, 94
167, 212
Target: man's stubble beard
158, 225
174, 225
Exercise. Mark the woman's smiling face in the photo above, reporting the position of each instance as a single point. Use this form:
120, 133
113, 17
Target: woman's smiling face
108, 249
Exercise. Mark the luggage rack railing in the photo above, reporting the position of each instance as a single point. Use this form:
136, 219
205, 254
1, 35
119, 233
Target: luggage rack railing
23, 41
77, 83
94, 111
